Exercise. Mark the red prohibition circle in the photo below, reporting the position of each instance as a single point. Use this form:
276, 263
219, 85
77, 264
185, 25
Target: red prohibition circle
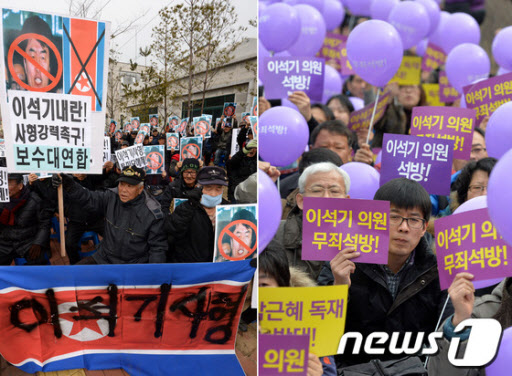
154, 156
255, 110
229, 111
255, 128
225, 230
15, 47
202, 127
192, 149
140, 138
172, 142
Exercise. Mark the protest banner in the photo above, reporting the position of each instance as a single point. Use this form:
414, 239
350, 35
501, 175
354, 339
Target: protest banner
254, 126
409, 72
449, 123
153, 120
254, 111
319, 312
425, 160
155, 159
4, 185
139, 139
346, 67
361, 119
202, 127
486, 96
112, 127
447, 93
133, 155
229, 109
2, 148
330, 225
432, 94
174, 122
135, 123
173, 141
180, 317
331, 50
284, 75
106, 149
191, 147
182, 128
468, 242
235, 147
62, 108
281, 355
236, 229
433, 58
245, 116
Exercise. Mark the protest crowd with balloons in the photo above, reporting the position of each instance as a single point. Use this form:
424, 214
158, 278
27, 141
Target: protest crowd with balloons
377, 85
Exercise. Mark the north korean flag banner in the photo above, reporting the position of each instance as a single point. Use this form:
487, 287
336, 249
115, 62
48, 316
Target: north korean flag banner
151, 319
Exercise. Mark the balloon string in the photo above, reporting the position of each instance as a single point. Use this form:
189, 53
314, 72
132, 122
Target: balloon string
351, 22
373, 117
277, 182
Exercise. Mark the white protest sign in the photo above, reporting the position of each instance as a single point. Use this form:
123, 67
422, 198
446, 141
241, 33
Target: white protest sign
133, 155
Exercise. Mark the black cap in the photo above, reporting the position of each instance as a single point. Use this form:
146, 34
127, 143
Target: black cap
190, 164
17, 177
212, 175
132, 175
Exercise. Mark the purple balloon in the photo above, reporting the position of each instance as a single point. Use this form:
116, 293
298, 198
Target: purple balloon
333, 13
312, 34
499, 132
332, 83
461, 28
465, 64
375, 50
436, 37
378, 159
359, 7
476, 203
279, 27
434, 13
286, 103
358, 103
502, 363
411, 21
283, 135
499, 198
269, 210
501, 71
380, 9
421, 47
317, 4
501, 48
364, 180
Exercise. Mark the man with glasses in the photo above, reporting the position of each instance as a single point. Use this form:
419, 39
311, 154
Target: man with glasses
183, 184
402, 296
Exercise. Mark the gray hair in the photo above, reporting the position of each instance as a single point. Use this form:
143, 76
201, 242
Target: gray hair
323, 167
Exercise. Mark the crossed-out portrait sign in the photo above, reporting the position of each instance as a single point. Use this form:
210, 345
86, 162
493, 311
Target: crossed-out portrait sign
173, 141
191, 147
229, 109
155, 159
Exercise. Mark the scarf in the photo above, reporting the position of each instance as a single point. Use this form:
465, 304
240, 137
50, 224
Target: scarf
8, 213
504, 313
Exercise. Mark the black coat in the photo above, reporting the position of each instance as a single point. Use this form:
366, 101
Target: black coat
240, 167
177, 189
133, 230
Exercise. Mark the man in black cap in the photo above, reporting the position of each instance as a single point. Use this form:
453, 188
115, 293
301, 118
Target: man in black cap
190, 228
24, 225
183, 184
133, 219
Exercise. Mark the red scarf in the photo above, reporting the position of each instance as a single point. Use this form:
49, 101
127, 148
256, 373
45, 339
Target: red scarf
8, 213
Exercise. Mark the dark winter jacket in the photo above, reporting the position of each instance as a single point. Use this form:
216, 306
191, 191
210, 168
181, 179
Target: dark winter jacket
240, 167
177, 189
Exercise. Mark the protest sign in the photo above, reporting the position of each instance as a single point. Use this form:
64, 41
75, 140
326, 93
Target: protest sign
281, 355
254, 111
128, 128
145, 127
135, 123
447, 93
178, 201
449, 123
173, 141
330, 225
2, 148
106, 149
63, 97
236, 229
433, 58
432, 94
235, 147
133, 155
202, 127
319, 312
245, 116
254, 126
346, 67
139, 139
174, 122
468, 242
4, 185
40, 175
284, 75
331, 50
182, 128
486, 96
153, 120
229, 109
191, 147
425, 160
361, 119
409, 72
112, 127
155, 159
118, 136
89, 317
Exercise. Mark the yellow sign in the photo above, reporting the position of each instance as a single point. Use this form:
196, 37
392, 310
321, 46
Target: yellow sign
318, 311
432, 94
409, 72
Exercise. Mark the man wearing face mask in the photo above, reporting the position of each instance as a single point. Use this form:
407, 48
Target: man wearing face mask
191, 227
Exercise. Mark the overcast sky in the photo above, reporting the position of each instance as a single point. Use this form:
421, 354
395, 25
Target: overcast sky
119, 11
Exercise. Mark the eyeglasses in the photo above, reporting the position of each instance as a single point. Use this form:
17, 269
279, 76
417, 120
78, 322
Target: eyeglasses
191, 173
320, 191
396, 220
477, 188
478, 150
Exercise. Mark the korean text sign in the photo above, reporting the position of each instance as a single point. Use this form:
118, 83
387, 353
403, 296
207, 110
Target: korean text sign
447, 93
284, 75
434, 57
425, 160
319, 312
468, 242
133, 155
409, 72
281, 355
331, 49
92, 318
332, 224
361, 118
449, 123
432, 94
486, 96
4, 185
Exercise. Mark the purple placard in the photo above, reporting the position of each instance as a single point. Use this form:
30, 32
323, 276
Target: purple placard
427, 161
447, 93
434, 57
486, 96
361, 118
450, 123
346, 67
332, 224
331, 50
281, 355
468, 242
284, 75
